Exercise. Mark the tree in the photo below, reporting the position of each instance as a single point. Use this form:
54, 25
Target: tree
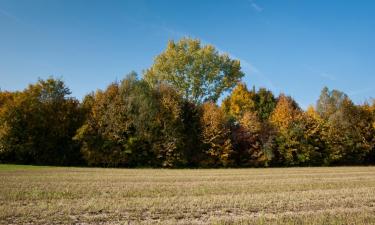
191, 118
242, 100
117, 124
370, 109
329, 102
292, 147
131, 124
252, 135
168, 142
314, 131
350, 135
285, 113
199, 73
265, 103
348, 132
215, 136
251, 138
6, 101
239, 102
37, 125
100, 144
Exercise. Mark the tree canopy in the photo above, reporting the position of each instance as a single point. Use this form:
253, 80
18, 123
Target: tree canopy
199, 73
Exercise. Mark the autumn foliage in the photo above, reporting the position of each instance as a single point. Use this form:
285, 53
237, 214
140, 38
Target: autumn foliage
171, 118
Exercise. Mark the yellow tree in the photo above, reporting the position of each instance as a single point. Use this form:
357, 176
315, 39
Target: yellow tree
239, 102
215, 136
285, 113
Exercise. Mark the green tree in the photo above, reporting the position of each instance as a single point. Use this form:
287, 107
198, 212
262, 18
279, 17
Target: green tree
265, 103
199, 73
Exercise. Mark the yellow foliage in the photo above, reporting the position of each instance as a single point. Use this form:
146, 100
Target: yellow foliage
251, 122
239, 102
285, 113
215, 134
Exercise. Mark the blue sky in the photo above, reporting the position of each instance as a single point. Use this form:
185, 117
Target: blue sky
295, 47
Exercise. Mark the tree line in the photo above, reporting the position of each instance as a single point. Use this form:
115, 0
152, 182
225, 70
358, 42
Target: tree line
171, 118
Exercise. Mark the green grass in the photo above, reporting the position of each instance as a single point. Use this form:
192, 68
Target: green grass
12, 167
56, 195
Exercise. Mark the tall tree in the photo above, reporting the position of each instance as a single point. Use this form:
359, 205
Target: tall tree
199, 73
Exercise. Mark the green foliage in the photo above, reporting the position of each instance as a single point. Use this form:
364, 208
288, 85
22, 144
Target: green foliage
265, 103
199, 73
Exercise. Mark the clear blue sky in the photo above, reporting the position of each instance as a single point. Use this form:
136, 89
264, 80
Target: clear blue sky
295, 47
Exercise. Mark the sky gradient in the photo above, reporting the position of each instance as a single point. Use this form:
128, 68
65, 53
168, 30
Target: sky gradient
295, 47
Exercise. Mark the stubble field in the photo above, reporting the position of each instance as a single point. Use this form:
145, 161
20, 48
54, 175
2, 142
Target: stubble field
56, 195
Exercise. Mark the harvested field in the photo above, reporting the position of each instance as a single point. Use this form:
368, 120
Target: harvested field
57, 195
